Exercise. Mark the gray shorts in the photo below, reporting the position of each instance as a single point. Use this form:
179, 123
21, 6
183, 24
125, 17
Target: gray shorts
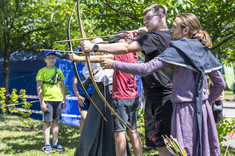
126, 109
53, 111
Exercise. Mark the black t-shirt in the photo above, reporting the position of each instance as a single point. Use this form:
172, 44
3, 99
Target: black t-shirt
155, 85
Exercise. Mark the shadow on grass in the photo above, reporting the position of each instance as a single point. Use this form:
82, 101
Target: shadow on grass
18, 138
26, 143
23, 143
18, 128
2, 119
152, 152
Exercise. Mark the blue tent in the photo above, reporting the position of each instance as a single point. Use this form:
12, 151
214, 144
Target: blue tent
23, 76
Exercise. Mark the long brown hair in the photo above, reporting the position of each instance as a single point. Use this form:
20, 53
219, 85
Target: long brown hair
190, 20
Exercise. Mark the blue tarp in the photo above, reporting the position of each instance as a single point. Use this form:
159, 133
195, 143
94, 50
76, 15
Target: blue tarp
23, 76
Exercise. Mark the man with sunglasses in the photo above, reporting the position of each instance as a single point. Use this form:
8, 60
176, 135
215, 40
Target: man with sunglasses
157, 89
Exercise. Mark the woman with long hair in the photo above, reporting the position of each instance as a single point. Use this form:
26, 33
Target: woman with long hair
187, 62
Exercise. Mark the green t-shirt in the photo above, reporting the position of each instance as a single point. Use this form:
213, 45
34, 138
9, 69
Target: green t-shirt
50, 92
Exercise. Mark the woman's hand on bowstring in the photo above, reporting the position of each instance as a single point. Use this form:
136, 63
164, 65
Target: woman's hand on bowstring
107, 64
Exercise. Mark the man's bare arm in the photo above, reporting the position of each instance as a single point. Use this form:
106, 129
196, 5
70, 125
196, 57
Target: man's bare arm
93, 59
136, 34
114, 48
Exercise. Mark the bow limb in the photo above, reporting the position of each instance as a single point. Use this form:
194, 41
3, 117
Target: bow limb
75, 68
90, 71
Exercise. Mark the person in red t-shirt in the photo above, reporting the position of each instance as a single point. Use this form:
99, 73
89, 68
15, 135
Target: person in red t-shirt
125, 98
125, 102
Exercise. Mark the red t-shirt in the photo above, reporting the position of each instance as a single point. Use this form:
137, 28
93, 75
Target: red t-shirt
124, 86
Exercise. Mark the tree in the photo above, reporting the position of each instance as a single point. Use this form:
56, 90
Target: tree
216, 16
32, 24
28, 25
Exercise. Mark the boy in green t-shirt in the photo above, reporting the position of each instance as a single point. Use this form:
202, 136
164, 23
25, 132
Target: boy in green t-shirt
51, 93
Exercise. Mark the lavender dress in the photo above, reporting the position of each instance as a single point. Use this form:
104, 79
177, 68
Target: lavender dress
184, 121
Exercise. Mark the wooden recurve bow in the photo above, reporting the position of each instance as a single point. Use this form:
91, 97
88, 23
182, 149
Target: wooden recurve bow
76, 72
90, 71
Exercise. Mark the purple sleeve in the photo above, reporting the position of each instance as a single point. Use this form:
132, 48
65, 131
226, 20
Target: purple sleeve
218, 85
142, 69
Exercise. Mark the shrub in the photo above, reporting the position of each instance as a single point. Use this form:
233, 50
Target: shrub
9, 104
224, 128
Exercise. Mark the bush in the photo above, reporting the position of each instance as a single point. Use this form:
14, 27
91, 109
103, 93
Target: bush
9, 104
224, 128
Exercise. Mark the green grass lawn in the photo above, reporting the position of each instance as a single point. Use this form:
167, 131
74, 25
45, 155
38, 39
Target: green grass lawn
20, 140
17, 139
228, 94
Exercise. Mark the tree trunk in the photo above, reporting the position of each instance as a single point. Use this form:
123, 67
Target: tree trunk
6, 69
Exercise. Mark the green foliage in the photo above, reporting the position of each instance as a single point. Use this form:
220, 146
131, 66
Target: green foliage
67, 90
2, 100
224, 128
140, 119
25, 114
14, 100
217, 17
29, 25
33, 24
141, 56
